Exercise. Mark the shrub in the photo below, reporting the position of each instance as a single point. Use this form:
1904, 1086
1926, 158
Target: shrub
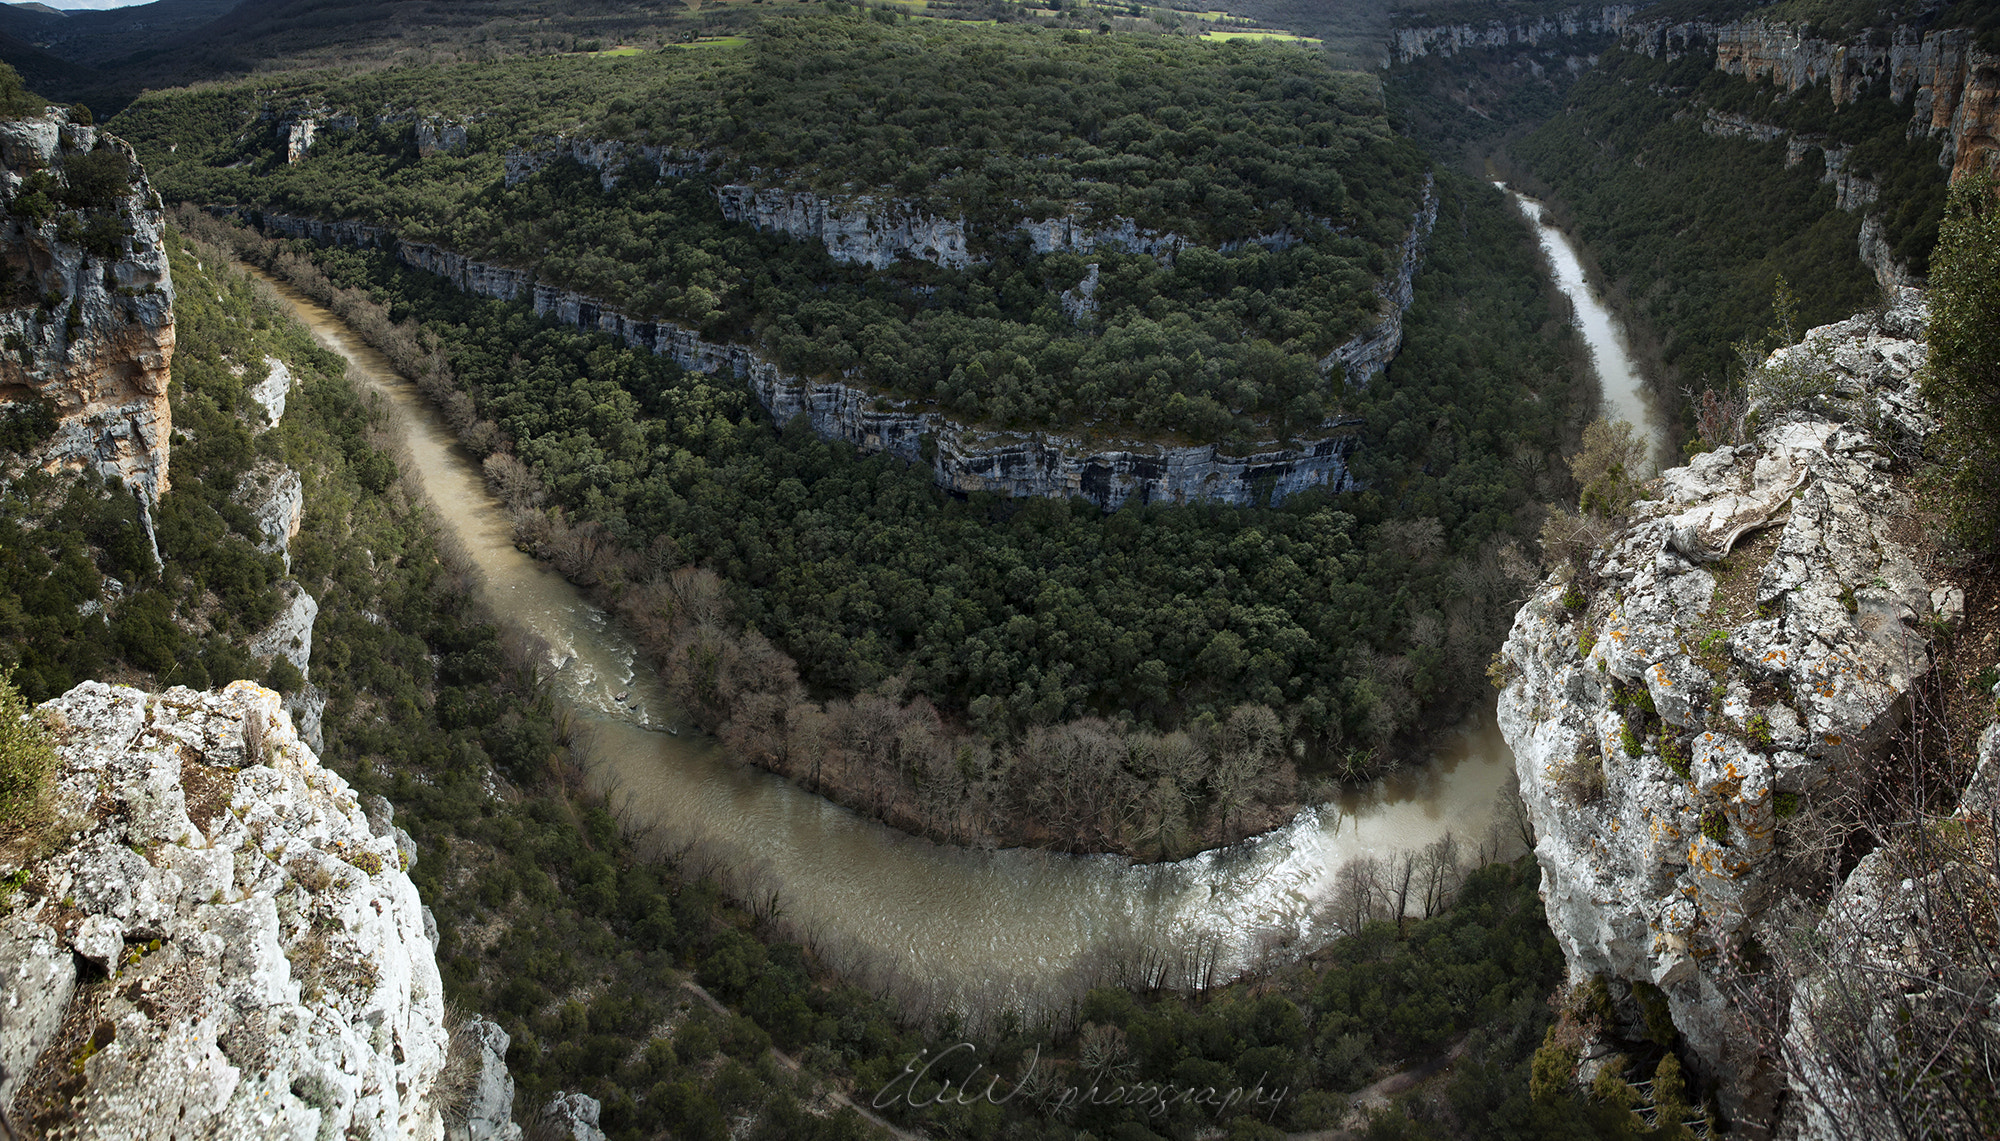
1961, 378
1715, 825
1675, 755
1629, 740
283, 676
27, 761
98, 180
1582, 778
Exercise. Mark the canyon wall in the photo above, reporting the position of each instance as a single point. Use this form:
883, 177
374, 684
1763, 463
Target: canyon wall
964, 458
1951, 86
86, 303
1413, 43
1731, 664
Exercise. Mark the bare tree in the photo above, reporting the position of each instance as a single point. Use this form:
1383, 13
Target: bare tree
1438, 873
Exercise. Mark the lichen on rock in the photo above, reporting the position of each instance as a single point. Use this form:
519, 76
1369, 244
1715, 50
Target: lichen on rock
220, 943
1746, 643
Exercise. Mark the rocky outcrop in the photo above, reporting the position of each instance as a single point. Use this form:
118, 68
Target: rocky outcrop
89, 331
272, 391
224, 946
1108, 472
489, 1113
1743, 648
290, 634
1366, 355
573, 1117
1850, 191
1951, 86
1413, 43
856, 230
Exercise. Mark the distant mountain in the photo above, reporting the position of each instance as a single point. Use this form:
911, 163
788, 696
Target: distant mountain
106, 58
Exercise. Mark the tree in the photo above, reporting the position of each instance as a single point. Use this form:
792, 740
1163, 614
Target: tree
1608, 468
27, 760
1961, 380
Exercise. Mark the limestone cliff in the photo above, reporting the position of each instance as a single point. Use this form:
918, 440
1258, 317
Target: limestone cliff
1414, 42
1738, 654
961, 457
222, 942
86, 299
1951, 86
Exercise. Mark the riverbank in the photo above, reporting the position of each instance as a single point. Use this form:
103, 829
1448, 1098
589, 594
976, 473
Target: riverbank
944, 928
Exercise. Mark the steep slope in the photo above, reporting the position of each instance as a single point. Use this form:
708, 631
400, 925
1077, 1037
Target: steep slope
1722, 688
224, 939
88, 322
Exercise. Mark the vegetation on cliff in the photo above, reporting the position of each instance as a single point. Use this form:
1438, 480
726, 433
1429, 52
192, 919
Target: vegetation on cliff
1962, 378
1305, 639
1283, 171
1691, 229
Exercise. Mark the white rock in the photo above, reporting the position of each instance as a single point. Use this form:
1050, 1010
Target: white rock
292, 992
1634, 888
573, 1117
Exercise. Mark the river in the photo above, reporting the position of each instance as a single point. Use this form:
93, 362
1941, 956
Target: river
1625, 395
940, 926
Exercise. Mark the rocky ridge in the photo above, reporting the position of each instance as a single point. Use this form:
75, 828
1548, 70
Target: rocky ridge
961, 457
226, 944
1408, 44
1741, 650
93, 335
1951, 86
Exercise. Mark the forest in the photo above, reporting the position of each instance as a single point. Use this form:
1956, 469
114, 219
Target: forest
1694, 230
1280, 194
1150, 681
587, 947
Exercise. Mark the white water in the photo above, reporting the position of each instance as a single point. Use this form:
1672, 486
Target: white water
1625, 395
968, 929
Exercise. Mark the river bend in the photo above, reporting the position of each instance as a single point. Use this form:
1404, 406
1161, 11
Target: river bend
971, 930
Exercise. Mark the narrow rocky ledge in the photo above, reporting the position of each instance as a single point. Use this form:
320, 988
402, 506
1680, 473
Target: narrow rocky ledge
223, 943
1742, 649
963, 458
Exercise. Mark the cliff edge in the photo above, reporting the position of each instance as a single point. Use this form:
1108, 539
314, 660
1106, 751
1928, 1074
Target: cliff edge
214, 938
86, 299
1734, 664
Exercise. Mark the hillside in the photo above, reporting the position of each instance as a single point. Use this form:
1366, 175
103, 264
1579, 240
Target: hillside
985, 222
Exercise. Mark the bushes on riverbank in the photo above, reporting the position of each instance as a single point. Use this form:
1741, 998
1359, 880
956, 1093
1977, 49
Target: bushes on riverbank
1101, 675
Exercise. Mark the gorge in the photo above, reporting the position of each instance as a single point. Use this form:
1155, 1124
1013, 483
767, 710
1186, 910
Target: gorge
557, 611
974, 930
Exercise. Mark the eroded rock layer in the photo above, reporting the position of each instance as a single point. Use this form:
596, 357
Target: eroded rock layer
1951, 86
86, 299
961, 457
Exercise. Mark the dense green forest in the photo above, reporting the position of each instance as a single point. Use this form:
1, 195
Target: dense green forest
582, 945
1694, 230
1316, 635
1283, 174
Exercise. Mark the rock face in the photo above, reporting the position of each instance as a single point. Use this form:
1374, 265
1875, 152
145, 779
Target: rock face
226, 947
489, 1116
91, 334
1746, 645
1951, 86
961, 457
1413, 43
